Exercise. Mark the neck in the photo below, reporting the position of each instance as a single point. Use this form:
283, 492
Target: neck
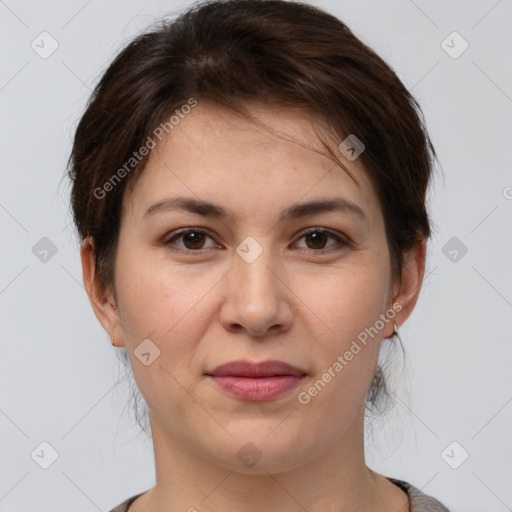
337, 475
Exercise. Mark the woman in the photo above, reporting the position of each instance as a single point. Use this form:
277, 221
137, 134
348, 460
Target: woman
249, 186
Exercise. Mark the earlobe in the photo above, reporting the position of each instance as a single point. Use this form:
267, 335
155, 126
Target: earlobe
104, 308
411, 280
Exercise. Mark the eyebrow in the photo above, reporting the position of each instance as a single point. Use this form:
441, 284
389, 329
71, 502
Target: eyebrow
295, 211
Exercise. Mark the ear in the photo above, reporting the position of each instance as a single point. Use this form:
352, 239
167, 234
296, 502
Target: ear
102, 302
408, 289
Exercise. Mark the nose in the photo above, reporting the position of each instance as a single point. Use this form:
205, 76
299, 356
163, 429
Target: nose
257, 299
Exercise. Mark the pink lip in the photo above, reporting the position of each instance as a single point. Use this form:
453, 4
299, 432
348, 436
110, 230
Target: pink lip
257, 381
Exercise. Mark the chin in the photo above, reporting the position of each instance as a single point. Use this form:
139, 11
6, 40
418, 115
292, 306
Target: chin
249, 452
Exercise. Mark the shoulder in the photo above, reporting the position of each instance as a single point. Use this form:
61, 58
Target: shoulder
123, 507
420, 502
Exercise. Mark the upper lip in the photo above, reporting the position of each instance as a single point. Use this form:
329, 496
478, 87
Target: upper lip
261, 369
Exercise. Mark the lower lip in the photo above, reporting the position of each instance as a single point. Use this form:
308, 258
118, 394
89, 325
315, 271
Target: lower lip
257, 389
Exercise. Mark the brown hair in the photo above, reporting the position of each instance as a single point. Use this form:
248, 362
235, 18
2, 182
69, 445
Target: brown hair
231, 52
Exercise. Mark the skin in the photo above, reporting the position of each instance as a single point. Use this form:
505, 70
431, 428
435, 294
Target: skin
302, 301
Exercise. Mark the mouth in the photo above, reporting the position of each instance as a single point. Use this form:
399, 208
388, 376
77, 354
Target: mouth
258, 382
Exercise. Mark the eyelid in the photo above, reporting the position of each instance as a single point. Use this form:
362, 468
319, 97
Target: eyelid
341, 239
181, 232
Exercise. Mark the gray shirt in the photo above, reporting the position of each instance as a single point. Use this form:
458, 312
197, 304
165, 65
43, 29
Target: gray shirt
419, 502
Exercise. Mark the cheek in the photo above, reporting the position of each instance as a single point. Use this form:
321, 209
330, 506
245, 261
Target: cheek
345, 301
347, 355
153, 293
169, 307
348, 303
163, 303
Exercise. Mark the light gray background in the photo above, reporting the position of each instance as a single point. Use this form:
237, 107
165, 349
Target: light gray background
58, 372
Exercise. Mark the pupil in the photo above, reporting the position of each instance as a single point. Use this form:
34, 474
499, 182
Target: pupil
194, 238
317, 238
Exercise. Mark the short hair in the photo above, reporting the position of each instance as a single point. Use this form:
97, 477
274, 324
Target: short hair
232, 52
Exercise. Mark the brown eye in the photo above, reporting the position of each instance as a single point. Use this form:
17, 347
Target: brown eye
316, 239
191, 240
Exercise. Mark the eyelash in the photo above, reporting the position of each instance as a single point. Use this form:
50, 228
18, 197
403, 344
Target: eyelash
344, 243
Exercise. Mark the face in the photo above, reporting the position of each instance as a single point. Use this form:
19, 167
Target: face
252, 285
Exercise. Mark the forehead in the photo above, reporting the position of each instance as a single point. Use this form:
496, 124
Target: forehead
275, 157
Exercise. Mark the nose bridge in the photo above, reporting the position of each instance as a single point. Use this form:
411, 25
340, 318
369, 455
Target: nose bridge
253, 278
256, 299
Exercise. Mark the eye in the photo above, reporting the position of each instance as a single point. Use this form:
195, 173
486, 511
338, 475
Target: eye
317, 238
193, 240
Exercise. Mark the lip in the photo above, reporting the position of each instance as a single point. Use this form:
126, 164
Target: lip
261, 369
261, 381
